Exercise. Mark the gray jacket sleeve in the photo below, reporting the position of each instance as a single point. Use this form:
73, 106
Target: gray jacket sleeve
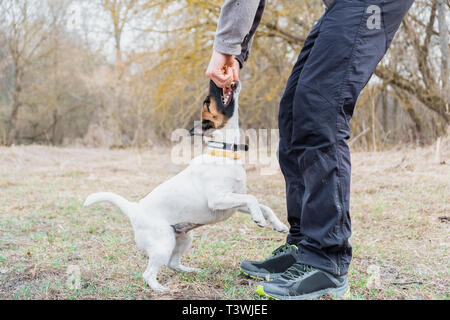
237, 25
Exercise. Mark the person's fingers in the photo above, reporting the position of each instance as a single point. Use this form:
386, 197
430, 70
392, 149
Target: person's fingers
221, 70
220, 79
228, 77
235, 73
209, 71
218, 83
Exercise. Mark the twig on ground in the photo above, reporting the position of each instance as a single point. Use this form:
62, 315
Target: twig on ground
406, 283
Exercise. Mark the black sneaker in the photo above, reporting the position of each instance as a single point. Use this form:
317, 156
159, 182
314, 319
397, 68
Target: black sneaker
271, 268
301, 282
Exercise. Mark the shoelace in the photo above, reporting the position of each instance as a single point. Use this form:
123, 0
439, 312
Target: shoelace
296, 270
283, 248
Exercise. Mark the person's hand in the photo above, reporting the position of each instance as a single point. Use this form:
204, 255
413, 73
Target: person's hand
223, 69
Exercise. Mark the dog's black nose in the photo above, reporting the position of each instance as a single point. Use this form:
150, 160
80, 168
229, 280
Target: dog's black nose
196, 130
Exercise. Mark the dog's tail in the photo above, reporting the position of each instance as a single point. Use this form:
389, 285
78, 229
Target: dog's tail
126, 206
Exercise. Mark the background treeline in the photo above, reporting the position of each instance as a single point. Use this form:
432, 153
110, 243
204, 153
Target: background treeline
128, 72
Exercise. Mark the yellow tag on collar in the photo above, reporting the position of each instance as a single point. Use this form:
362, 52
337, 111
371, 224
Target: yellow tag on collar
222, 153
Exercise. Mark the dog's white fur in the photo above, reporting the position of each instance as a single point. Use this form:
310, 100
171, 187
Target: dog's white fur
209, 190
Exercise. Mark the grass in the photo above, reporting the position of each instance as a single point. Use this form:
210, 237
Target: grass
398, 201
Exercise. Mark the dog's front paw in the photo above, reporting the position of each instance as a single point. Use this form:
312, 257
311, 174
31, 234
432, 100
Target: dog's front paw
260, 222
281, 227
257, 216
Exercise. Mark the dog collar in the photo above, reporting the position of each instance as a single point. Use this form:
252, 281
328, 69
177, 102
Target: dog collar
224, 153
227, 146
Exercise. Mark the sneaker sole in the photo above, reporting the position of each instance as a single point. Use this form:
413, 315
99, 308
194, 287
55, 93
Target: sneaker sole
333, 292
261, 276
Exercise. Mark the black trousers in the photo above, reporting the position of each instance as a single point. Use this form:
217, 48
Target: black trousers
338, 58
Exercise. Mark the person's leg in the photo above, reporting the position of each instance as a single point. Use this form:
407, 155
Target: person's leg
286, 255
354, 36
286, 156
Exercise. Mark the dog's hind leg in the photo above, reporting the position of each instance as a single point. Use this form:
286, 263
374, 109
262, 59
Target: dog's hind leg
183, 243
159, 243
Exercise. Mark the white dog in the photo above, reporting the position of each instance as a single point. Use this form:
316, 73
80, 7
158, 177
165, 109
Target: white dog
209, 190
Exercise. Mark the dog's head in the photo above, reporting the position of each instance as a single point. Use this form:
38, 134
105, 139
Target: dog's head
217, 109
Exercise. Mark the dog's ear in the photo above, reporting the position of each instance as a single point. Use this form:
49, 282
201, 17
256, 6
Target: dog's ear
207, 102
215, 93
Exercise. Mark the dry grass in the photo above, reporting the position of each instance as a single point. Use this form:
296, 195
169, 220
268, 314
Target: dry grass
399, 203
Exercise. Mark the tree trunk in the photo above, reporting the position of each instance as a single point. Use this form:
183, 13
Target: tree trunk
443, 35
384, 101
54, 126
16, 104
405, 101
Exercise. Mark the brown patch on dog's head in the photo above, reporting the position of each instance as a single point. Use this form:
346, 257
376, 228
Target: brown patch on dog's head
210, 112
217, 109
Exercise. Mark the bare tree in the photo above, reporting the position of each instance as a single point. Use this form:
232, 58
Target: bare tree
423, 84
23, 32
58, 83
121, 13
